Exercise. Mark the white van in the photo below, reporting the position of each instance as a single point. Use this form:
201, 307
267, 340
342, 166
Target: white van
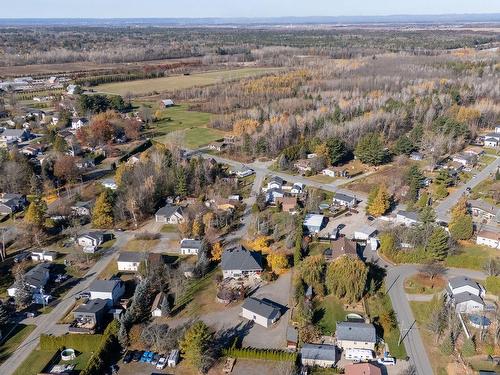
387, 361
359, 355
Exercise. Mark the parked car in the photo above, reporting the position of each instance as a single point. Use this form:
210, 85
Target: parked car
155, 359
113, 369
21, 257
82, 295
137, 356
162, 362
387, 361
370, 218
127, 358
149, 357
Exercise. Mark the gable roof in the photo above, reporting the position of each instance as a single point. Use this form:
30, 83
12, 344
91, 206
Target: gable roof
168, 210
466, 296
98, 236
104, 286
241, 259
277, 180
362, 369
317, 352
343, 197
261, 307
131, 256
355, 331
192, 244
158, 301
313, 220
409, 215
460, 281
343, 246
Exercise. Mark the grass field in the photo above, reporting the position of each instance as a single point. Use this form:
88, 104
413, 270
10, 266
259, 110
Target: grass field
328, 313
15, 338
421, 284
38, 359
164, 84
472, 256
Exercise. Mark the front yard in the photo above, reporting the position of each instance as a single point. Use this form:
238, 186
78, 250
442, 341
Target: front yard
472, 256
11, 342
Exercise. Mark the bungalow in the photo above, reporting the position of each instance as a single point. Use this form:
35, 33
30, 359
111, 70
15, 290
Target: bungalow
260, 311
240, 262
167, 103
273, 194
362, 369
190, 246
33, 149
275, 183
491, 142
159, 303
43, 256
488, 238
90, 241
12, 203
355, 335
321, 355
341, 247
297, 188
407, 218
484, 210
303, 165
344, 200
465, 159
91, 314
288, 204
467, 303
79, 122
473, 150
313, 222
36, 278
129, 261
14, 135
462, 284
242, 171
109, 290
365, 232
169, 214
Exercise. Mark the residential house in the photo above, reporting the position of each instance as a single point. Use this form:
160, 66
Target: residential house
167, 103
43, 256
242, 171
417, 156
190, 246
355, 335
297, 188
109, 183
169, 214
109, 290
484, 211
344, 200
321, 355
365, 232
491, 142
260, 311
36, 278
463, 284
341, 247
313, 222
362, 369
12, 203
79, 122
73, 89
90, 241
33, 150
240, 262
465, 295
292, 337
217, 146
275, 183
467, 303
303, 165
273, 194
488, 238
465, 159
474, 150
81, 208
288, 204
129, 261
10, 136
407, 218
156, 309
90, 315
329, 172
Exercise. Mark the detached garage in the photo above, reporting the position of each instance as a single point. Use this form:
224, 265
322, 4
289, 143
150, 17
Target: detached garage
262, 312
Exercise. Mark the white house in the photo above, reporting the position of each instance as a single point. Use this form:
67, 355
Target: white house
488, 238
313, 222
129, 261
297, 188
79, 122
169, 214
14, 135
72, 89
407, 218
36, 278
167, 103
260, 311
81, 208
468, 303
462, 284
464, 159
321, 355
364, 233
465, 294
491, 142
190, 246
109, 290
242, 171
329, 172
159, 301
240, 262
273, 194
355, 335
109, 183
43, 256
90, 241
344, 200
275, 183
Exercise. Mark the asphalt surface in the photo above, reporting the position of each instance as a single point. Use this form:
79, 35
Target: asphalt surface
444, 208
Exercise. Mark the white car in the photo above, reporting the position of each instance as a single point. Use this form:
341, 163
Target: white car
387, 361
162, 362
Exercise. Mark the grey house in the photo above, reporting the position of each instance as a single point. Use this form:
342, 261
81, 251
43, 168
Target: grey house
322, 355
240, 262
344, 200
261, 311
355, 335
169, 214
91, 313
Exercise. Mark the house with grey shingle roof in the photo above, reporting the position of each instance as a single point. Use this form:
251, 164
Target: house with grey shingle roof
240, 262
321, 355
130, 260
355, 335
190, 246
407, 218
344, 200
260, 311
169, 214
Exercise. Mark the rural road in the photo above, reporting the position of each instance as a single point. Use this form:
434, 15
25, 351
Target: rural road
443, 209
47, 323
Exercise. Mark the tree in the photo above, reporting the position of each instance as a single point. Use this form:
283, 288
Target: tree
337, 150
441, 191
195, 344
102, 214
24, 293
404, 146
198, 228
443, 178
65, 168
427, 215
4, 314
216, 253
437, 245
380, 203
370, 149
461, 225
278, 261
346, 278
59, 144
433, 269
35, 215
468, 348
181, 185
311, 270
414, 178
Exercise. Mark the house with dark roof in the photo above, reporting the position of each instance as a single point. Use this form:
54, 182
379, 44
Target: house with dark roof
465, 294
341, 247
89, 316
91, 241
321, 355
190, 246
260, 311
407, 218
275, 183
36, 279
169, 214
240, 262
344, 200
157, 307
355, 335
109, 290
130, 261
12, 203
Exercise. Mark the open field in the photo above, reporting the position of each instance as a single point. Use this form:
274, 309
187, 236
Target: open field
472, 256
421, 284
168, 84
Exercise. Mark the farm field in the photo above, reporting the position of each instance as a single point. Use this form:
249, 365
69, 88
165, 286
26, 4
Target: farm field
164, 84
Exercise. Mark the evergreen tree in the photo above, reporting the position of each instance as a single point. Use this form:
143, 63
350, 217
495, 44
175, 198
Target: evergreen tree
370, 149
441, 191
427, 215
443, 178
423, 200
35, 215
195, 344
461, 224
337, 150
497, 175
437, 245
59, 144
468, 348
404, 146
181, 185
102, 213
381, 203
4, 314
414, 178
24, 293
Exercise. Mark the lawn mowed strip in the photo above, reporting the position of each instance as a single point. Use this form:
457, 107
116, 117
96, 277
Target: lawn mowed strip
13, 339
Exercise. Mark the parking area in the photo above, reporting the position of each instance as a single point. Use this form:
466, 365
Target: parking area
396, 369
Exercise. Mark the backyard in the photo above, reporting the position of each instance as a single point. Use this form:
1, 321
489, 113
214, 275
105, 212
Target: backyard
328, 312
39, 359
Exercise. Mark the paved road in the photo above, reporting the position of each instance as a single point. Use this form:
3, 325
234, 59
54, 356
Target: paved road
443, 209
47, 323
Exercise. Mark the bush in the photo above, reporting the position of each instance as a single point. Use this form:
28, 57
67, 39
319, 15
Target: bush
265, 354
106, 350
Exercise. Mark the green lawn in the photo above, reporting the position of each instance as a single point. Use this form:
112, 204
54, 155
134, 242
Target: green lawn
317, 248
169, 228
180, 82
38, 359
472, 256
15, 338
328, 313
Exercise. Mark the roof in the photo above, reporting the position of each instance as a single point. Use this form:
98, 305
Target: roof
82, 204
478, 203
287, 202
362, 369
276, 179
491, 140
241, 259
91, 306
168, 210
131, 256
465, 297
158, 301
261, 307
36, 275
313, 220
192, 244
412, 215
343, 246
460, 281
104, 286
489, 234
321, 352
13, 132
343, 197
292, 334
94, 235
366, 229
356, 331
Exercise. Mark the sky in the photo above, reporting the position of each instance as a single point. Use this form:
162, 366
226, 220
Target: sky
236, 8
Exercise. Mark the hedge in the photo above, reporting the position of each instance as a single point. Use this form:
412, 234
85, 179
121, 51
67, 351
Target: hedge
266, 354
81, 343
104, 351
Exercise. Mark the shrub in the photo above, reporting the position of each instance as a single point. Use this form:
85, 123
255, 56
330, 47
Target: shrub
265, 354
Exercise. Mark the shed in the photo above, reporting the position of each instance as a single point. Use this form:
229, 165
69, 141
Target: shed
261, 311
